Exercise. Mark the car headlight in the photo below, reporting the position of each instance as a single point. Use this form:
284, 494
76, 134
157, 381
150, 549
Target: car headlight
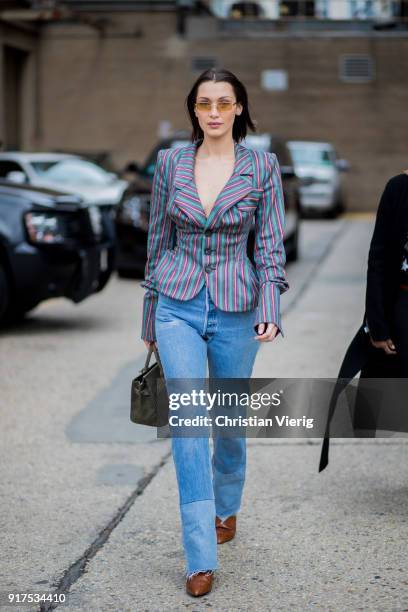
43, 228
130, 211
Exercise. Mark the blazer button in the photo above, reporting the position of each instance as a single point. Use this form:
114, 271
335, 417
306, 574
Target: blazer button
207, 232
207, 251
209, 268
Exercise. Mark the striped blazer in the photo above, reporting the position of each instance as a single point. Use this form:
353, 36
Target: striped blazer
186, 249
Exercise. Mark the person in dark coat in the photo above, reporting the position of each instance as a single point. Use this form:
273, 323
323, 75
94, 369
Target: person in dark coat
380, 347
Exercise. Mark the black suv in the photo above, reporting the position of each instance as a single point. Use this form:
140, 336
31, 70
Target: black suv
132, 212
51, 245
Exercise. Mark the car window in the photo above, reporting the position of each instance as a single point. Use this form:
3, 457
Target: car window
316, 156
264, 142
151, 162
260, 142
7, 166
282, 152
71, 172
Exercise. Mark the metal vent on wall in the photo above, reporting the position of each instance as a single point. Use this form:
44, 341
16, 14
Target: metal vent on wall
357, 68
199, 64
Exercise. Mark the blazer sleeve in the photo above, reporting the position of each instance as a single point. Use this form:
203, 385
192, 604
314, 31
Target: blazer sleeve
269, 250
376, 270
161, 236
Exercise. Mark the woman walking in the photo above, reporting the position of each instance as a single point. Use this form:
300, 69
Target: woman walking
387, 283
205, 300
380, 347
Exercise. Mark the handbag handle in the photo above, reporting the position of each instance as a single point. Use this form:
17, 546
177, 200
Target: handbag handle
152, 348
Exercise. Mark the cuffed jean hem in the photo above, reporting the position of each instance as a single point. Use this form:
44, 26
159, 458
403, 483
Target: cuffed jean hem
199, 535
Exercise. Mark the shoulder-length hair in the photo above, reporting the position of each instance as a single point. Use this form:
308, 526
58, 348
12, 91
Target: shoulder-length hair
242, 121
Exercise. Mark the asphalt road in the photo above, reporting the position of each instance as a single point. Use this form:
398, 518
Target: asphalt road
89, 500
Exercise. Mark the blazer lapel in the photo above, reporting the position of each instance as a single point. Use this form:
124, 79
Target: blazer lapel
186, 197
238, 186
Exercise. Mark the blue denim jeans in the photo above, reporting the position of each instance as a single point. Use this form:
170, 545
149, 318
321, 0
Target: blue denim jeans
188, 333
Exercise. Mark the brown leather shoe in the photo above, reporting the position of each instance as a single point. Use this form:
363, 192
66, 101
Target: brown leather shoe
225, 530
200, 583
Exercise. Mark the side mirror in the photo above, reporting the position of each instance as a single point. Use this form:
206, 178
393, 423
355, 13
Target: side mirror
342, 165
16, 176
288, 171
132, 167
112, 176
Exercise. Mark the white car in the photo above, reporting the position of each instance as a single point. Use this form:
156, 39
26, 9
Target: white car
64, 172
264, 9
317, 162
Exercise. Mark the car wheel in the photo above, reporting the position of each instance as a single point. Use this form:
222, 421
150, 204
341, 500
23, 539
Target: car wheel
341, 207
303, 213
4, 293
10, 311
331, 213
125, 273
293, 251
336, 210
17, 312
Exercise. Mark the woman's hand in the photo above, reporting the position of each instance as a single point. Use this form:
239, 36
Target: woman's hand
148, 344
387, 345
268, 334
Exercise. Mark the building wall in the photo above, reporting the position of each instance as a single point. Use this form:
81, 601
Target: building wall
109, 93
24, 40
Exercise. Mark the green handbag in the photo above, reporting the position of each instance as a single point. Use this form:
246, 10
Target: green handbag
149, 403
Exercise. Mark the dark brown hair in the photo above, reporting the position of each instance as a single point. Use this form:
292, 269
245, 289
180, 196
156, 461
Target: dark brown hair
242, 121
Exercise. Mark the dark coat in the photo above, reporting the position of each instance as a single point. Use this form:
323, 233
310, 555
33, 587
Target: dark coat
383, 270
385, 256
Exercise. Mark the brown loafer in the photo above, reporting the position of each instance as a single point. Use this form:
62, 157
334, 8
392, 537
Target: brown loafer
225, 529
200, 583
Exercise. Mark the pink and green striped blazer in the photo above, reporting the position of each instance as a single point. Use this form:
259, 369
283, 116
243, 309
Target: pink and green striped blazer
185, 249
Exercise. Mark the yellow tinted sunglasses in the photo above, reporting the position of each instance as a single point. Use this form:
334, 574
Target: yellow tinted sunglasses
222, 107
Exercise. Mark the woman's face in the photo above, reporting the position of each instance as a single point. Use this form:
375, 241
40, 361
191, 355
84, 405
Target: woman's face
217, 122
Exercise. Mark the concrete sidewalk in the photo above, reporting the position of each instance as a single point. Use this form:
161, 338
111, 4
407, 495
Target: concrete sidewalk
90, 502
330, 541
334, 541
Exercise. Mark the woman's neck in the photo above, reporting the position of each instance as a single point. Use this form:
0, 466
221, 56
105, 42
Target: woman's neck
217, 148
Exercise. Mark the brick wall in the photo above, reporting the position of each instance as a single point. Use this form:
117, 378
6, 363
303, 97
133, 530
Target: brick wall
110, 92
